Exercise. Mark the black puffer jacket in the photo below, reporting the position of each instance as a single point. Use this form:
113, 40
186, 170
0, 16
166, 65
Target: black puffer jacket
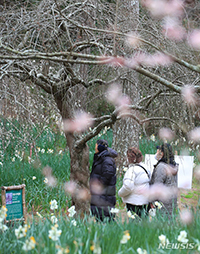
102, 183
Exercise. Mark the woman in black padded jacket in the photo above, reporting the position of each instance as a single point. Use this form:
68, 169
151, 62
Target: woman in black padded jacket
103, 181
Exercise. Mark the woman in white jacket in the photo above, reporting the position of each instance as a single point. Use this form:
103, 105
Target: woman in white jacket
135, 184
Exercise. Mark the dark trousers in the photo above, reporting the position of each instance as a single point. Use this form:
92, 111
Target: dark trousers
140, 210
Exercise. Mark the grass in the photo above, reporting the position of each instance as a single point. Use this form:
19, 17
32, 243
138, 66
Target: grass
87, 235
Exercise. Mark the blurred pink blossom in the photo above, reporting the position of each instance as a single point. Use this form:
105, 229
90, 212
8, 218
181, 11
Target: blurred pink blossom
194, 135
149, 60
96, 187
133, 39
82, 194
189, 94
194, 39
114, 92
173, 30
52, 181
161, 8
114, 61
80, 123
161, 192
166, 134
116, 97
171, 170
124, 102
186, 216
70, 187
47, 171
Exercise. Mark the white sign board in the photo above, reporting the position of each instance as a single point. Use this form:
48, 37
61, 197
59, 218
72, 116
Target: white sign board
185, 170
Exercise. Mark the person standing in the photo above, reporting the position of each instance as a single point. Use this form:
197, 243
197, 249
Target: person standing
165, 172
135, 184
103, 181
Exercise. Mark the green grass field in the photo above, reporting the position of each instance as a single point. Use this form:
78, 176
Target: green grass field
124, 235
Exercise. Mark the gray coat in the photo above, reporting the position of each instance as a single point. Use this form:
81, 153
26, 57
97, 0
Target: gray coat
162, 175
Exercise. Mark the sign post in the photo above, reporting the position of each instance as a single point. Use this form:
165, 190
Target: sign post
13, 198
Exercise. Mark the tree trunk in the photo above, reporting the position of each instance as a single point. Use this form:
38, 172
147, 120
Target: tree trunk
126, 131
79, 156
80, 175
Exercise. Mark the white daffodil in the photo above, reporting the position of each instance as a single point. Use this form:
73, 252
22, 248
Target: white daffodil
153, 138
74, 223
96, 249
71, 211
34, 177
182, 237
54, 220
163, 240
114, 210
53, 204
29, 244
3, 213
158, 205
125, 237
152, 212
50, 150
46, 180
54, 233
38, 214
3, 227
61, 250
140, 251
125, 169
60, 152
43, 150
21, 231
130, 215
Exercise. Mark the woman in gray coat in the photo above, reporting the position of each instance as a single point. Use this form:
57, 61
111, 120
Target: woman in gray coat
165, 172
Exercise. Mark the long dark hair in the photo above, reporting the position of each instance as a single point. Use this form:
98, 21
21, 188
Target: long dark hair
168, 155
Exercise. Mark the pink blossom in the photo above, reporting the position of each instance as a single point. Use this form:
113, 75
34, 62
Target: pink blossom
96, 187
114, 92
52, 181
124, 103
114, 61
166, 134
80, 123
161, 192
70, 187
82, 194
116, 97
157, 59
194, 135
170, 170
173, 30
194, 39
47, 171
133, 39
161, 8
186, 216
150, 60
189, 94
